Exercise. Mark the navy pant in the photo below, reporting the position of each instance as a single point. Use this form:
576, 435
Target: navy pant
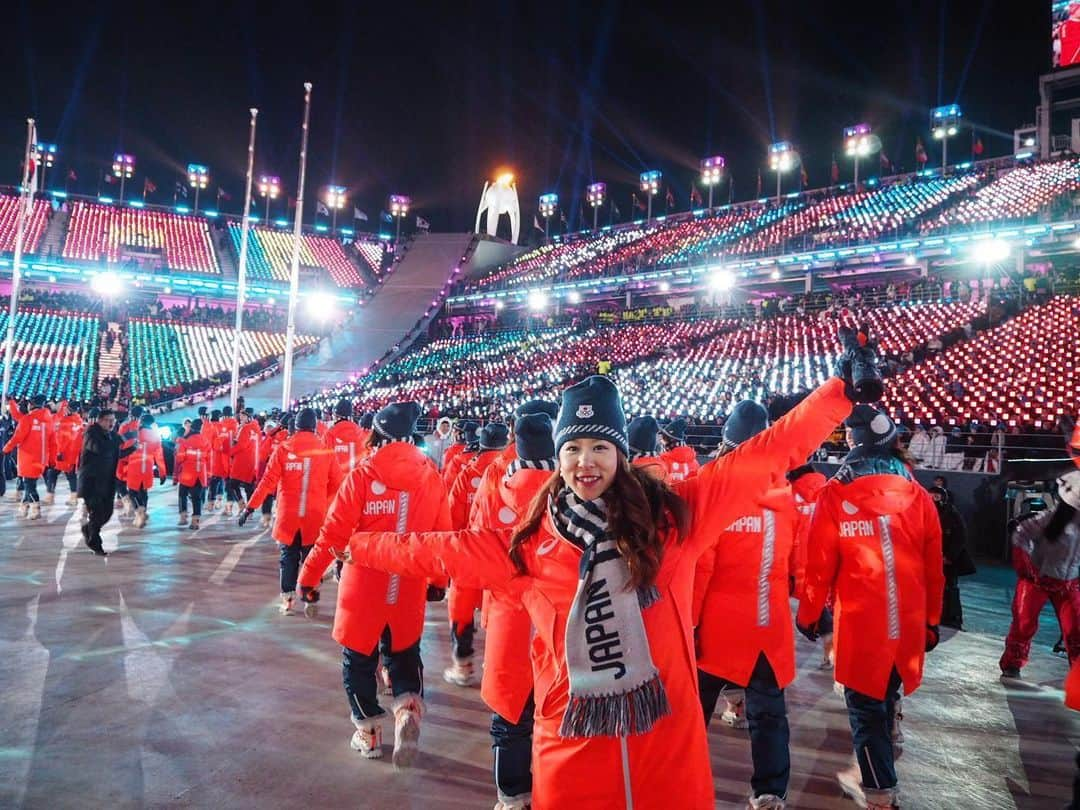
52, 475
195, 495
29, 493
358, 676
215, 488
290, 558
766, 714
461, 639
234, 487
871, 733
140, 497
268, 505
512, 745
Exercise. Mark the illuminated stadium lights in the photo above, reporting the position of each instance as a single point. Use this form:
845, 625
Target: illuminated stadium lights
665, 286
269, 188
596, 193
859, 142
107, 284
399, 209
198, 178
335, 201
991, 251
574, 297
909, 260
320, 305
123, 167
45, 157
945, 123
548, 204
775, 275
538, 300
650, 184
782, 158
721, 280
712, 172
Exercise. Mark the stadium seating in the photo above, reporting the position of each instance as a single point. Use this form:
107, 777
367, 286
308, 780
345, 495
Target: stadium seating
1020, 373
9, 211
103, 232
55, 354
270, 255
165, 355
373, 256
1018, 194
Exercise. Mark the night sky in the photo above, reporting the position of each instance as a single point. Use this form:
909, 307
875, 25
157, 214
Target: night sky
431, 99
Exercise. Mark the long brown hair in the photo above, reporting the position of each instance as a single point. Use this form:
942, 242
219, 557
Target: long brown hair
641, 510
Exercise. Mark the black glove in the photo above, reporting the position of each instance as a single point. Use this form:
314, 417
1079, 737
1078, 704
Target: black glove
163, 479
933, 636
857, 366
309, 595
244, 516
809, 631
435, 594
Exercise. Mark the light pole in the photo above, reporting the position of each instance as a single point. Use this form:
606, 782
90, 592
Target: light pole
269, 188
25, 208
335, 201
650, 185
294, 265
595, 194
198, 177
944, 123
859, 142
399, 209
45, 157
782, 158
241, 268
548, 204
712, 172
123, 167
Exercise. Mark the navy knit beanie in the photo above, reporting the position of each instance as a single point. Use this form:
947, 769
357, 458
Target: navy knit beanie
870, 427
196, 426
494, 436
675, 429
226, 411
642, 435
534, 406
592, 409
343, 409
533, 437
307, 419
748, 418
468, 430
397, 421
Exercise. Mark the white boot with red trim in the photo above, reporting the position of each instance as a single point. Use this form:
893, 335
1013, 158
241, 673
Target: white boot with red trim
408, 710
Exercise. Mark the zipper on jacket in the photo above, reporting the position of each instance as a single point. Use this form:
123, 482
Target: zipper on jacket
892, 597
305, 479
768, 554
628, 792
394, 585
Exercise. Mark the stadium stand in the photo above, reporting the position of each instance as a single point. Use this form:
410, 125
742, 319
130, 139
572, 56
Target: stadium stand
9, 211
171, 359
55, 354
270, 255
373, 256
103, 233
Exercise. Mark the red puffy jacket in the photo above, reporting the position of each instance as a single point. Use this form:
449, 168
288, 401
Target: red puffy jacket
397, 488
653, 465
347, 440
507, 681
744, 607
681, 463
806, 490
246, 455
69, 433
141, 463
305, 477
453, 460
36, 442
220, 441
877, 542
128, 433
191, 465
669, 765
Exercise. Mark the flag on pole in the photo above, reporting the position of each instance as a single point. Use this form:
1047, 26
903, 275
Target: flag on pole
322, 209
385, 217
422, 223
181, 189
669, 199
562, 215
976, 145
72, 176
223, 194
695, 195
109, 178
358, 214
149, 187
758, 183
615, 212
536, 223
886, 164
638, 203
920, 153
804, 178
834, 172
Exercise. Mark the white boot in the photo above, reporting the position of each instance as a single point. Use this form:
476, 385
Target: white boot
140, 517
828, 660
408, 709
48, 498
211, 504
519, 802
367, 739
767, 801
384, 679
23, 509
287, 601
35, 511
72, 499
850, 780
194, 525
460, 673
897, 730
264, 522
129, 507
183, 519
881, 799
735, 711
228, 509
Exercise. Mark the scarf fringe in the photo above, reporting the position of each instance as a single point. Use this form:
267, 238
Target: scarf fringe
623, 715
647, 597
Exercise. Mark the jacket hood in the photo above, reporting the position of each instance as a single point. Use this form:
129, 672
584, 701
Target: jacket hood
880, 494
808, 486
684, 453
519, 490
399, 465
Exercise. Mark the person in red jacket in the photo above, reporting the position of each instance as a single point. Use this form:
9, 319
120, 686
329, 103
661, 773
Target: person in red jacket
604, 564
458, 454
191, 469
277, 433
35, 440
69, 435
51, 474
139, 471
128, 432
306, 477
345, 438
679, 457
875, 541
244, 456
464, 602
219, 463
806, 485
396, 488
746, 642
227, 431
642, 434
502, 499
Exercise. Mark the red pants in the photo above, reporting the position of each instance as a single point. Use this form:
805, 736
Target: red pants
1031, 596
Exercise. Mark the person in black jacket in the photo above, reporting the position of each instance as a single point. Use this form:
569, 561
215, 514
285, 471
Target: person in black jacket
97, 476
958, 562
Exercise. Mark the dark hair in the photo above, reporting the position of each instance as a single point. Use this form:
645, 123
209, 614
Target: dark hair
106, 412
641, 509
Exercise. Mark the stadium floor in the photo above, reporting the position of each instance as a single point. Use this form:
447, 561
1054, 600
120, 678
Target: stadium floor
164, 676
